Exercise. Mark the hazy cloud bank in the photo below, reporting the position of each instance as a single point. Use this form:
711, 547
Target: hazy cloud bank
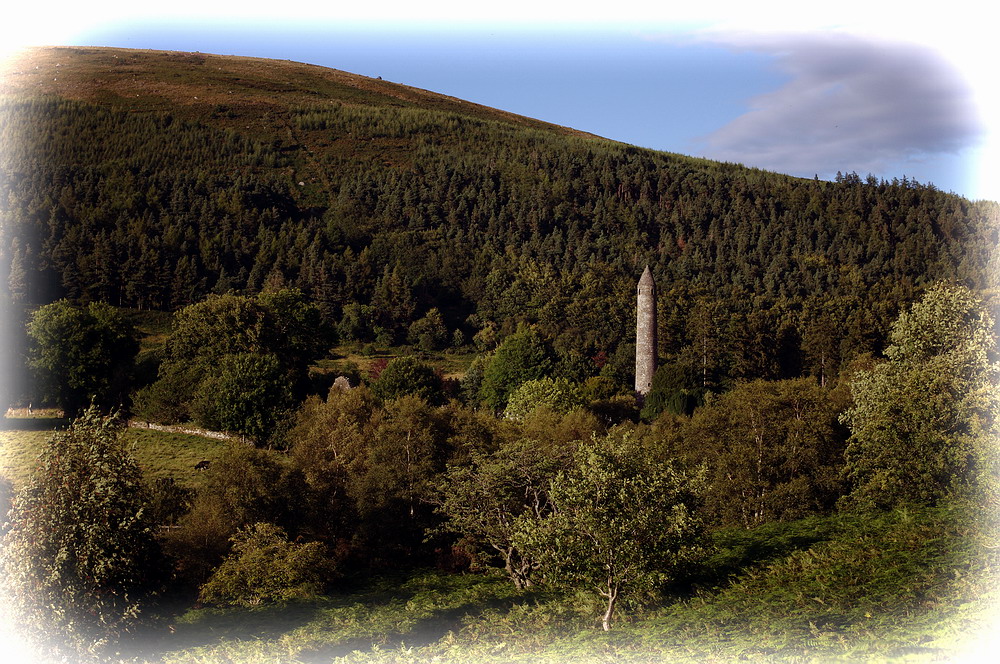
849, 104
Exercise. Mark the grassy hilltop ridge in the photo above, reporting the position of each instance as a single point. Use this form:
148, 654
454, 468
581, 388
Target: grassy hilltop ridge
173, 76
198, 85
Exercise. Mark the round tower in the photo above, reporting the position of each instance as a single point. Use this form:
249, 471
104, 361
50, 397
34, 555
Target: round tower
645, 334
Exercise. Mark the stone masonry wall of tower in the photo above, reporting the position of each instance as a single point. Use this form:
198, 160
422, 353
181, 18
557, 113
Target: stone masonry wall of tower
645, 334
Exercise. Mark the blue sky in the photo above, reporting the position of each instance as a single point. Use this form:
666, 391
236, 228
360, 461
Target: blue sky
894, 95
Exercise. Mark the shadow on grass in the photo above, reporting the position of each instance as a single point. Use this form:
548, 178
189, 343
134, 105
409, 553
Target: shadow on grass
424, 633
737, 549
209, 627
33, 423
212, 626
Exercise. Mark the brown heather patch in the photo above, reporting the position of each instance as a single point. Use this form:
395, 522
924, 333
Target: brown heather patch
194, 84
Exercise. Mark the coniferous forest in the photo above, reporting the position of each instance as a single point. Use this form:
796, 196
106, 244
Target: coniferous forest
826, 350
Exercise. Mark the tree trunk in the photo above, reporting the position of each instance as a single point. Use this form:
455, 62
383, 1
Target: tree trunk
519, 571
612, 596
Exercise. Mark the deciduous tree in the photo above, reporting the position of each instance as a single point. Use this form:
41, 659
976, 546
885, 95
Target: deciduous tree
80, 562
247, 394
483, 499
923, 425
622, 522
774, 450
408, 375
558, 394
523, 356
83, 354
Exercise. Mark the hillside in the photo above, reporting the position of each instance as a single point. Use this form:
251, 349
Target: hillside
151, 179
195, 84
788, 490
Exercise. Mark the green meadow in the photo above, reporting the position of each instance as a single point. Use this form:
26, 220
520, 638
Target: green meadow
904, 586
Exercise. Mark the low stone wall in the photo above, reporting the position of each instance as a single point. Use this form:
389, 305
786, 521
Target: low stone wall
218, 435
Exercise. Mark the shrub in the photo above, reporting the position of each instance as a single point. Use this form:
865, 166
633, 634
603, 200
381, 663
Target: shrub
168, 500
243, 486
558, 394
265, 567
407, 375
80, 563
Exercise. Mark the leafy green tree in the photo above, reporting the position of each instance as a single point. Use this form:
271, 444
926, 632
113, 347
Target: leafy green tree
675, 389
470, 387
620, 366
558, 394
296, 332
389, 479
482, 500
83, 354
407, 375
485, 339
429, 333
774, 450
276, 327
264, 567
219, 325
327, 434
80, 562
923, 425
358, 322
372, 467
523, 356
622, 523
171, 396
247, 394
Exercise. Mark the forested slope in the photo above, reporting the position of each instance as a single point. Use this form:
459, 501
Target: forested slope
150, 179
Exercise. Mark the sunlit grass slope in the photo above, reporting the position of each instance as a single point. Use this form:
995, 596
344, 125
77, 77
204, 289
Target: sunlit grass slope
158, 453
905, 586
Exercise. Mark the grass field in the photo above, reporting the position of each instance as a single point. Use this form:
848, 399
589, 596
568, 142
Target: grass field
451, 363
158, 453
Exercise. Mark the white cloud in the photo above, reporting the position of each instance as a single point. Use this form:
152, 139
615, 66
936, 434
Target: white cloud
850, 103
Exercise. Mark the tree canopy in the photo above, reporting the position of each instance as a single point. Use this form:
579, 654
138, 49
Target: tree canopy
83, 355
923, 424
80, 562
621, 523
237, 362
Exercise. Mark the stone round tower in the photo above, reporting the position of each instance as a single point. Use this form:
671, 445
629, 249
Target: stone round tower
645, 334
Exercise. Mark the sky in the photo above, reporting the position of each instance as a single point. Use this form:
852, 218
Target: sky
894, 90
